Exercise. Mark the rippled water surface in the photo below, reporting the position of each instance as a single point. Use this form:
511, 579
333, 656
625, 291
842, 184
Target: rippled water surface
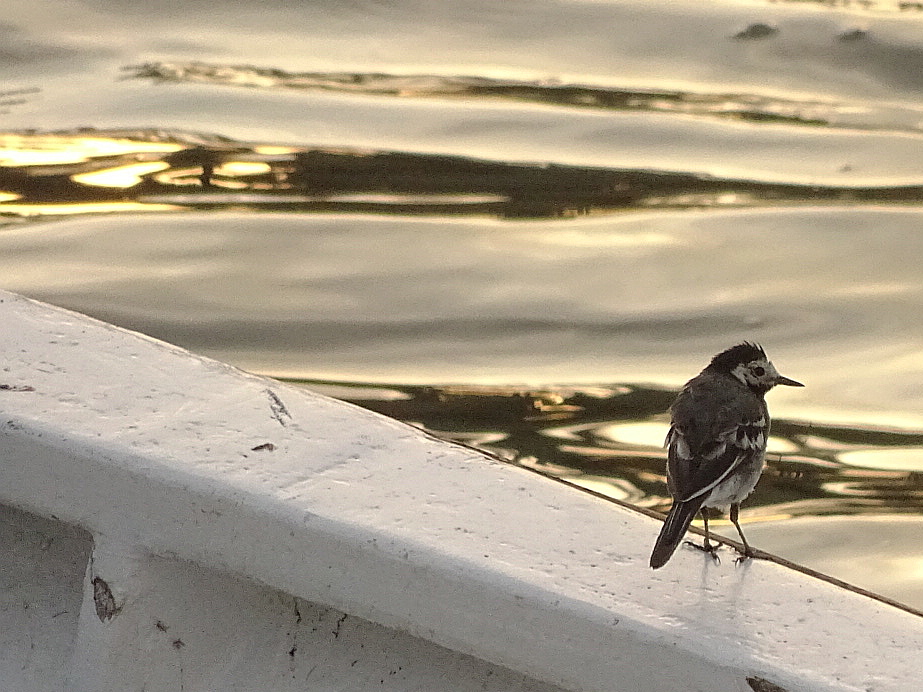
521, 225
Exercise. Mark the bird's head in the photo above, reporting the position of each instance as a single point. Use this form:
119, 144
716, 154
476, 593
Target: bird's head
748, 363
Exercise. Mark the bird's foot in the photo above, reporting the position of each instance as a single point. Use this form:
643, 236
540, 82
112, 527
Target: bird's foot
743, 556
707, 547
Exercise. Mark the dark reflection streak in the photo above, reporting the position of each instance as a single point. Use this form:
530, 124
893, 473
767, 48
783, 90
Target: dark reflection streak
747, 107
562, 432
200, 176
867, 436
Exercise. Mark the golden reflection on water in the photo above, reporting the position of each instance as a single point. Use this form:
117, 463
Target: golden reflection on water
121, 176
901, 459
50, 149
243, 168
650, 434
84, 208
110, 168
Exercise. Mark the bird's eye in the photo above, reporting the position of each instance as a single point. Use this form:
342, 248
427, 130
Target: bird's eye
759, 371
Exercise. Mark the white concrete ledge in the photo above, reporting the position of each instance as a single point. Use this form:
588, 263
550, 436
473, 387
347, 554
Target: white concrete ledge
190, 475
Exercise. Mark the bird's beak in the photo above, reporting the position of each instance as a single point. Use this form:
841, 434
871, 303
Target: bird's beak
788, 382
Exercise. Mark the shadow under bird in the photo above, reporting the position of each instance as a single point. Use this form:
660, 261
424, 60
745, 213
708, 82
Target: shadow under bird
717, 440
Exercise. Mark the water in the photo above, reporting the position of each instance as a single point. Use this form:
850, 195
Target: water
519, 225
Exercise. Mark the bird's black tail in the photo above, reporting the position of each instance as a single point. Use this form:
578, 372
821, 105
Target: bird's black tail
677, 521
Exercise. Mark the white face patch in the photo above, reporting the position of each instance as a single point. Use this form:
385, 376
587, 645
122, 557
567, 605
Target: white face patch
759, 373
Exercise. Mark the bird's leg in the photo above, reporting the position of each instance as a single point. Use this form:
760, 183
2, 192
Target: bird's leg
748, 552
707, 546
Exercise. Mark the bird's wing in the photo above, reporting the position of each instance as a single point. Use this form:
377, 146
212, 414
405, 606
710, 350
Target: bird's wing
693, 470
715, 426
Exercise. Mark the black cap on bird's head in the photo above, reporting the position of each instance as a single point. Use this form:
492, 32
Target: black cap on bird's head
748, 363
741, 354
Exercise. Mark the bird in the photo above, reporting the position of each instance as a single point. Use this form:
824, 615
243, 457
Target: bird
716, 443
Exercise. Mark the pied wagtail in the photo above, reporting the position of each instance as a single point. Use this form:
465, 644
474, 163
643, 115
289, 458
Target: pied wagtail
716, 443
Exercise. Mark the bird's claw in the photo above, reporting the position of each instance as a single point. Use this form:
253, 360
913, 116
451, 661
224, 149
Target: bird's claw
744, 556
707, 547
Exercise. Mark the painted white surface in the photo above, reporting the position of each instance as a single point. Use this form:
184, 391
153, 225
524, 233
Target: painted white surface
150, 449
41, 575
184, 627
